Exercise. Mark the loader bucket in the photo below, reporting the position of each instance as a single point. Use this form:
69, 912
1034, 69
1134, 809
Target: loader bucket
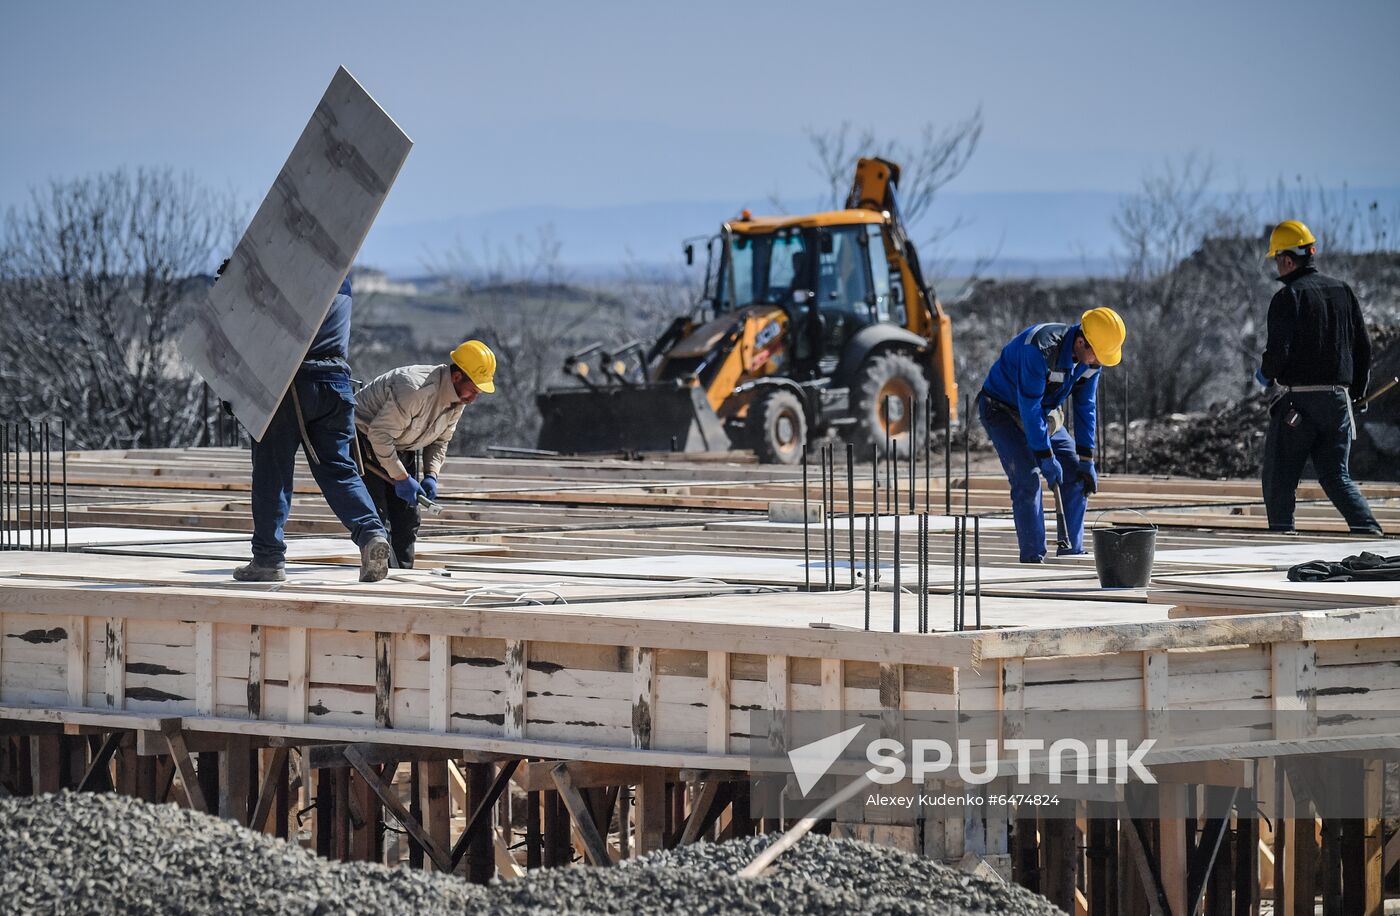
647, 418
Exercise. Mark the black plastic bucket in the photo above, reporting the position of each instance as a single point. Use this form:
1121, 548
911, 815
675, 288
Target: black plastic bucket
1123, 555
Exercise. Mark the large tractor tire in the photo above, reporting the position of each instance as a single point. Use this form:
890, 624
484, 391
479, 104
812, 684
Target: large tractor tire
778, 427
889, 390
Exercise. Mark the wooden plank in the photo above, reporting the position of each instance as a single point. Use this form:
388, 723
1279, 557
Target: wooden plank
833, 678
275, 773
651, 812
643, 695
383, 678
439, 682
298, 680
594, 846
175, 739
114, 663
1294, 680
517, 661
1155, 692
235, 779
717, 702
1172, 845
779, 699
247, 334
441, 857
256, 650
1372, 825
204, 668
77, 651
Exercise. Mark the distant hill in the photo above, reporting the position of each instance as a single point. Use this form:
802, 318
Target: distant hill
1049, 233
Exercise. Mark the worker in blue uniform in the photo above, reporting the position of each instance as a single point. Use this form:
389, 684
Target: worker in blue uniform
1021, 407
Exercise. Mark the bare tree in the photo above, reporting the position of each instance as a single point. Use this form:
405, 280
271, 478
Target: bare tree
93, 274
926, 165
525, 305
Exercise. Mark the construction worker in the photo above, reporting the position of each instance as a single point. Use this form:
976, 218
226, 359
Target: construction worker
317, 414
415, 407
1020, 406
1319, 355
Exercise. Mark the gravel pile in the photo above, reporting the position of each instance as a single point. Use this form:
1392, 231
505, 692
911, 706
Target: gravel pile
95, 853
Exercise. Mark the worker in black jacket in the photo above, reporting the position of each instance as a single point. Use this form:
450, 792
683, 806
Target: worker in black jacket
1319, 356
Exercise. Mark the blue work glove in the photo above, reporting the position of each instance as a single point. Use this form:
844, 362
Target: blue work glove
1051, 470
407, 490
430, 487
1089, 476
1261, 378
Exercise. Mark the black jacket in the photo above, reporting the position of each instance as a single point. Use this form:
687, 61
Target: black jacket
1317, 335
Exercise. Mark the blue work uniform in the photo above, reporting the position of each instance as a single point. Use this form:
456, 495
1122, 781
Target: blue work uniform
1035, 374
322, 386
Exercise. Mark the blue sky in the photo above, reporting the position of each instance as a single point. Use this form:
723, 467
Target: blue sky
601, 104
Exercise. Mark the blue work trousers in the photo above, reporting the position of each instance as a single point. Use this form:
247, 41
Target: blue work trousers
328, 406
1316, 425
1023, 473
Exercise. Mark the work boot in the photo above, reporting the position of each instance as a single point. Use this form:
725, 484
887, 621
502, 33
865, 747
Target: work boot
1369, 531
258, 572
374, 559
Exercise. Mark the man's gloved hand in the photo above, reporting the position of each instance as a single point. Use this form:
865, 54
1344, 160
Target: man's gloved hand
408, 490
430, 487
1261, 378
1360, 405
1051, 470
1089, 475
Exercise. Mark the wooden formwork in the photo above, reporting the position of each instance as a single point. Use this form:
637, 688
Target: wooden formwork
504, 735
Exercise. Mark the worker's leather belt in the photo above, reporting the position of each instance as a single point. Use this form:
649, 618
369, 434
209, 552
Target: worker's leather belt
1314, 389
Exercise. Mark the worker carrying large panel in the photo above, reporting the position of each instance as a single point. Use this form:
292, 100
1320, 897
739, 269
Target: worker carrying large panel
1021, 406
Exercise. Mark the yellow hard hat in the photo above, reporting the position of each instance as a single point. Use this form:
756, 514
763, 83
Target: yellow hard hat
1105, 332
1288, 235
478, 362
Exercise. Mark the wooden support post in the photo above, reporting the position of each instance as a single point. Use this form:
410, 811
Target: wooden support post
651, 811
1140, 850
1098, 865
435, 800
1059, 843
1246, 856
700, 811
98, 778
234, 785
1372, 829
558, 851
1171, 851
1025, 850
595, 848
833, 675
482, 801
207, 771
274, 782
45, 766
341, 825
179, 753
389, 797
480, 857
323, 827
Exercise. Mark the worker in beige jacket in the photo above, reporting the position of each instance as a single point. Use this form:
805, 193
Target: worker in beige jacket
412, 408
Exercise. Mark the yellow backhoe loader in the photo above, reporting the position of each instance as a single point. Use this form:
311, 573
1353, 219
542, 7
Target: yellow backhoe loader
808, 324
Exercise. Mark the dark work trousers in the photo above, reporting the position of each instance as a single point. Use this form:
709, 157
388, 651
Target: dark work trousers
1303, 425
327, 405
1023, 474
401, 518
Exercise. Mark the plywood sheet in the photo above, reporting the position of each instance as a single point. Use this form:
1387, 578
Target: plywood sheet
1275, 585
1278, 555
775, 570
248, 332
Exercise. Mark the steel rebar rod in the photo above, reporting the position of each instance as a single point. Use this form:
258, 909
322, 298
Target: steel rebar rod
29, 437
875, 502
896, 573
977, 565
913, 450
851, 507
928, 451
806, 528
947, 455
887, 454
45, 487
867, 572
831, 514
4, 486
63, 446
957, 622
1125, 421
967, 460
826, 566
